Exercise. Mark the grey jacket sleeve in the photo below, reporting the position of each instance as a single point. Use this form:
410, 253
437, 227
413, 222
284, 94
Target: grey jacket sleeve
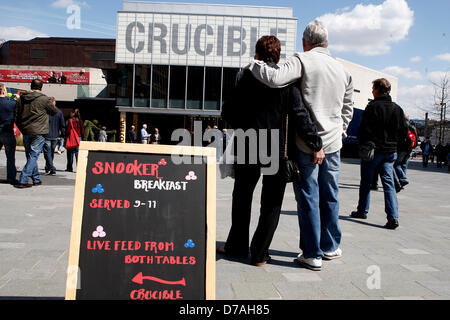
347, 108
287, 73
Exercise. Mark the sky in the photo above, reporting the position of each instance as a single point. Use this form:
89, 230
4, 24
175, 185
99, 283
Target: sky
409, 39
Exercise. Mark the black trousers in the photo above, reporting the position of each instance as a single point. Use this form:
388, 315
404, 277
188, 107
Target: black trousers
273, 187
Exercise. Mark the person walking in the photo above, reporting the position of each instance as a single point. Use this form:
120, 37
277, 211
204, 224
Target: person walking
57, 128
144, 134
439, 150
74, 127
102, 136
404, 149
32, 118
155, 138
427, 150
131, 135
254, 106
7, 138
327, 89
383, 125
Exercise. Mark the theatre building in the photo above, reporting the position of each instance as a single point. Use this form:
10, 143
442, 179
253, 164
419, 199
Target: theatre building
170, 64
178, 62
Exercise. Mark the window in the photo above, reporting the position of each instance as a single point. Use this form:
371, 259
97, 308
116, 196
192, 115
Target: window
160, 86
38, 53
212, 88
142, 86
102, 55
229, 81
195, 88
124, 85
177, 86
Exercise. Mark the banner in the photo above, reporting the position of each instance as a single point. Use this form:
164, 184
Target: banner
61, 77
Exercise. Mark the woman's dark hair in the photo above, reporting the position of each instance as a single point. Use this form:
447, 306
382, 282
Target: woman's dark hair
268, 49
382, 85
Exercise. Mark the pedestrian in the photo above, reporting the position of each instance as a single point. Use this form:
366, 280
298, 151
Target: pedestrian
383, 125
102, 136
439, 150
404, 150
57, 128
327, 90
74, 128
32, 118
7, 138
155, 138
144, 134
254, 106
131, 135
427, 150
447, 153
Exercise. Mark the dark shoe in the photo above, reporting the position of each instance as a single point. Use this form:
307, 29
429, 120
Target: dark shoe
404, 183
398, 189
358, 215
23, 185
13, 182
69, 170
221, 250
392, 224
260, 264
37, 183
52, 173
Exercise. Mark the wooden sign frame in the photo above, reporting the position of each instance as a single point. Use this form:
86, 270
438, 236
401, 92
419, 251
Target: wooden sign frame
79, 194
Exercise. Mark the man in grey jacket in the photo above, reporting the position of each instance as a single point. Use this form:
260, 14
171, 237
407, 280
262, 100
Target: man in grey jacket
31, 116
327, 89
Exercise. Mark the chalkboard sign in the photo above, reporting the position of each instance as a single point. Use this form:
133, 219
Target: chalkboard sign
143, 225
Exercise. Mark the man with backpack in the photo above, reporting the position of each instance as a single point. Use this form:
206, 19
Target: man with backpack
404, 151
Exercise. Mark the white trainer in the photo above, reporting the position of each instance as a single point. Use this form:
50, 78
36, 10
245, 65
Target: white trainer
314, 264
336, 254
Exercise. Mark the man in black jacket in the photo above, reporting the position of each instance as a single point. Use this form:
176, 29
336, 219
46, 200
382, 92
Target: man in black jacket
7, 138
383, 124
57, 127
253, 105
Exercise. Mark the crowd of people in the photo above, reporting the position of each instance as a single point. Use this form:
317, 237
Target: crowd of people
309, 101
321, 107
145, 137
44, 130
439, 152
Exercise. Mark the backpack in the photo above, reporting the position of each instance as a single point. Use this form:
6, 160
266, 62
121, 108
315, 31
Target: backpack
413, 137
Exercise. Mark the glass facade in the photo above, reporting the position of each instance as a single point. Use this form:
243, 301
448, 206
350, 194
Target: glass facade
174, 87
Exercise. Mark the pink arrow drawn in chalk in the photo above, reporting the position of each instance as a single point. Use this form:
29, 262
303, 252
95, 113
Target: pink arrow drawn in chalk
139, 279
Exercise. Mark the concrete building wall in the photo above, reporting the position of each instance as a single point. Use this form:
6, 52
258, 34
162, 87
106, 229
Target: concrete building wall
362, 79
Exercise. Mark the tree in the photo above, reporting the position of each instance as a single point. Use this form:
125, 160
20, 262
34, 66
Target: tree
441, 100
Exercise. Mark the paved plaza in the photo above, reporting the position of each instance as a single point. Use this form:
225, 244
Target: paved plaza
412, 262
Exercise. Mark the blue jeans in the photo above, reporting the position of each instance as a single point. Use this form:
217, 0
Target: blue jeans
401, 165
49, 154
318, 205
71, 153
384, 164
9, 141
33, 144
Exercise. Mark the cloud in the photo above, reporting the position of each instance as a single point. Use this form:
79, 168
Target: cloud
404, 72
416, 100
416, 59
369, 29
443, 57
66, 3
19, 33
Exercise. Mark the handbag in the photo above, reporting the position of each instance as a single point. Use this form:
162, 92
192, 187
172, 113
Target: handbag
73, 140
289, 168
367, 151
